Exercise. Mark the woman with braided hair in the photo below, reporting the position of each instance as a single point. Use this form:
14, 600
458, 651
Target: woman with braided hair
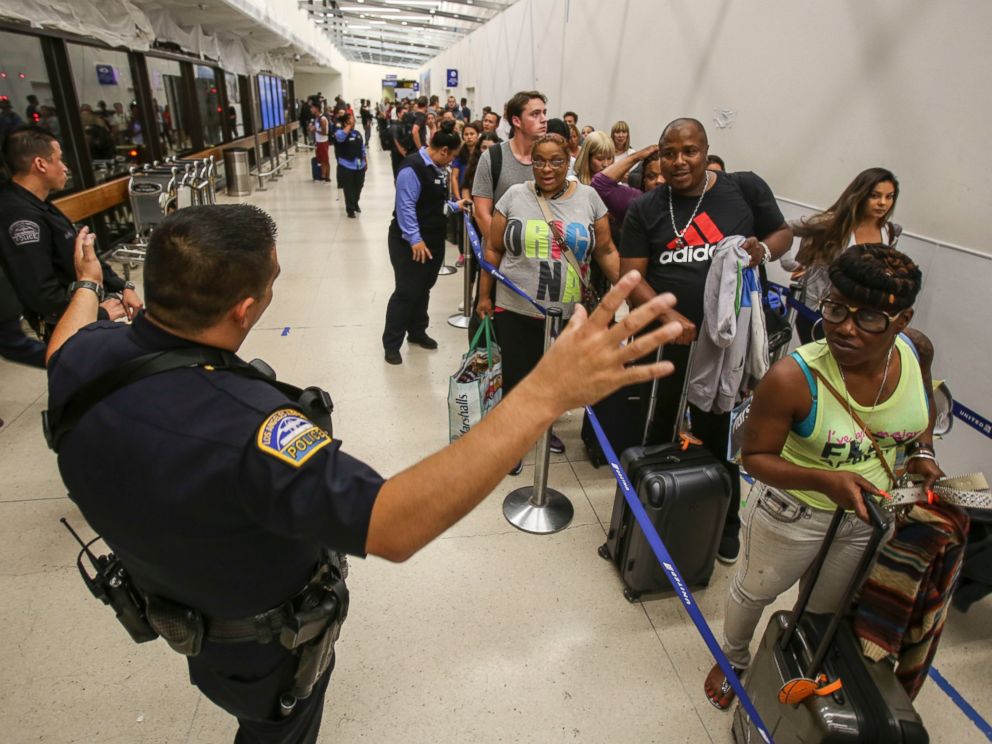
862, 214
808, 442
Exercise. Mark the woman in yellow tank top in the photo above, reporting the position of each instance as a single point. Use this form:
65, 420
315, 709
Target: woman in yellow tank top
808, 453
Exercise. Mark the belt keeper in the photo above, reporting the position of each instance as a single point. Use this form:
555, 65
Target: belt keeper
263, 627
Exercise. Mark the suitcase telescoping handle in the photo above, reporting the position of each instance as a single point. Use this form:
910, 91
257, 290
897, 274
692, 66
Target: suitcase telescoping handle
881, 525
683, 399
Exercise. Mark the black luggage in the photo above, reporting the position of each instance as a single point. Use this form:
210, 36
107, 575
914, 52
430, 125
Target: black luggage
621, 416
870, 707
686, 492
315, 171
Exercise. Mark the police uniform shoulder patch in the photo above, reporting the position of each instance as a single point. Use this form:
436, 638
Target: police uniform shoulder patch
23, 232
289, 436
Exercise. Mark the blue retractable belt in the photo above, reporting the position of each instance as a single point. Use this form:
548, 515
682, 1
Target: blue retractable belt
653, 538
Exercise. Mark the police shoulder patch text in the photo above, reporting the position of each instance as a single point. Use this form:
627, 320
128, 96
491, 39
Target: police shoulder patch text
24, 231
289, 436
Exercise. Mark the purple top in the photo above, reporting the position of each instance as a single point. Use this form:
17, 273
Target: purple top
617, 196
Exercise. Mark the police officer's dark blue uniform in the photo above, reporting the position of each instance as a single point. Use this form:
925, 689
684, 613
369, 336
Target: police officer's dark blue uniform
222, 497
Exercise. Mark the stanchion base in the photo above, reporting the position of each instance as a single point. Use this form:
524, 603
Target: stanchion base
554, 516
446, 270
459, 321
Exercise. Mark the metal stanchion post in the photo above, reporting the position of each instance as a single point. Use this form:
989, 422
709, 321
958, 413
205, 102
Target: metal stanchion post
539, 509
464, 318
273, 155
258, 161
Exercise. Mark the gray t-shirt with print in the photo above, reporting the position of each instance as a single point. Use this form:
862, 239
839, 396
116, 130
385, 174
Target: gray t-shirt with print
512, 171
533, 261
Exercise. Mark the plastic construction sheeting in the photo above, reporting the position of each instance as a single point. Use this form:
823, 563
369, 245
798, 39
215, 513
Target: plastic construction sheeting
114, 22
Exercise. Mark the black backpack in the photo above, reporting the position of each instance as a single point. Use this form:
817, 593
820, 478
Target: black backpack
402, 131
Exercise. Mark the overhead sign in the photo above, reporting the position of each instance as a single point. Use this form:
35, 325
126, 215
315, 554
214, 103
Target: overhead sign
452, 78
106, 75
390, 76
387, 83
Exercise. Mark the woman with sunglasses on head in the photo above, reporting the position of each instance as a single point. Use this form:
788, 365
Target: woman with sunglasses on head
541, 257
861, 214
823, 431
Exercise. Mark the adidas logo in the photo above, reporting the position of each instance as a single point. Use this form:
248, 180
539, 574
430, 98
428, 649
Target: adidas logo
689, 254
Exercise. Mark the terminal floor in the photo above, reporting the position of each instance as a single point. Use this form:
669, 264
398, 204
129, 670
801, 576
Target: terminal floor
487, 635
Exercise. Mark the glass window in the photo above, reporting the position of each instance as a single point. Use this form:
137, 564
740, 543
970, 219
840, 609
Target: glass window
107, 110
166, 80
26, 95
235, 113
208, 101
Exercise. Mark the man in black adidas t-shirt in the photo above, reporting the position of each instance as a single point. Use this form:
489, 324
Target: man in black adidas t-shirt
669, 236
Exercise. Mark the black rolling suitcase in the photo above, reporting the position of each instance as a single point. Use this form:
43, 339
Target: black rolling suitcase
686, 492
870, 707
620, 415
315, 171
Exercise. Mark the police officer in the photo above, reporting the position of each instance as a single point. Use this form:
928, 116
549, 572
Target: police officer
352, 162
226, 493
36, 238
416, 240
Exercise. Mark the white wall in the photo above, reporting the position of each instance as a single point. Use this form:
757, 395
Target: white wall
330, 83
819, 91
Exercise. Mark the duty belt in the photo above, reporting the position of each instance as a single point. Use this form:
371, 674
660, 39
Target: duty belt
968, 491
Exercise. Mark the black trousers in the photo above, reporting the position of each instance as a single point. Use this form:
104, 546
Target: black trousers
246, 680
711, 428
15, 346
406, 312
521, 342
352, 181
395, 158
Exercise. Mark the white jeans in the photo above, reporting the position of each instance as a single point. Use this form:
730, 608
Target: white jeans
780, 537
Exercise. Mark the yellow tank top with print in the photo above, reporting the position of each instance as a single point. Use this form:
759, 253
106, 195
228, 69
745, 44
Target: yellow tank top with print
828, 438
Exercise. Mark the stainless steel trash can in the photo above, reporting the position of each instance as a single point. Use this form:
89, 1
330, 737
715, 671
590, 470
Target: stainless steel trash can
237, 171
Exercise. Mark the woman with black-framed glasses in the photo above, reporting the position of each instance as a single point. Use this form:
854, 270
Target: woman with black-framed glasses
533, 253
809, 442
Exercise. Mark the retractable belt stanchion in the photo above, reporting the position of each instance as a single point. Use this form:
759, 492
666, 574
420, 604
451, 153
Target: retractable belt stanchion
258, 161
464, 318
539, 509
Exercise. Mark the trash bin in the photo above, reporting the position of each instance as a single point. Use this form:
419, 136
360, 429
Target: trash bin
237, 171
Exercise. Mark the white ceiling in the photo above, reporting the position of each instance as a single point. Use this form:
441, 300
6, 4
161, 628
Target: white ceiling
399, 33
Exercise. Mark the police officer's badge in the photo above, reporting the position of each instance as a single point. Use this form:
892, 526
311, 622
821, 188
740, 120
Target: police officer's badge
289, 436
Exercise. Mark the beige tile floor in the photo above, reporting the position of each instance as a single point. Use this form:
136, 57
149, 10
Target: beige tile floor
488, 635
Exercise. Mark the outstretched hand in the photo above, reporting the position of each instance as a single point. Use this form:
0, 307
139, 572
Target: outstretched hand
590, 360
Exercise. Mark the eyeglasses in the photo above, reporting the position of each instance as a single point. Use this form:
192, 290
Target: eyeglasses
870, 321
556, 164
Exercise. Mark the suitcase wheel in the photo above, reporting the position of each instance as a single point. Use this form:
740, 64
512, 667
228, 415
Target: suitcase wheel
604, 552
630, 595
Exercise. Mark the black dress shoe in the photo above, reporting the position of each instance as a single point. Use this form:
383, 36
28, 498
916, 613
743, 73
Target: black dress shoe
393, 356
358, 209
352, 215
424, 341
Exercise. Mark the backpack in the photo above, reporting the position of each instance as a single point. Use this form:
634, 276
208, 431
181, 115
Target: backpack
402, 132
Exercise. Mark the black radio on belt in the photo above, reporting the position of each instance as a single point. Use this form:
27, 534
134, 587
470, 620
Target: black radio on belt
112, 586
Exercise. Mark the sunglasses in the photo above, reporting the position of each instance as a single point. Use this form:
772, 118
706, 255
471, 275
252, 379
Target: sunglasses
870, 321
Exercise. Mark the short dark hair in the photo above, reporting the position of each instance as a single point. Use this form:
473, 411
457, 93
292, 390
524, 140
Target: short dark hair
422, 101
559, 127
516, 105
464, 101
716, 159
24, 143
203, 260
572, 114
682, 122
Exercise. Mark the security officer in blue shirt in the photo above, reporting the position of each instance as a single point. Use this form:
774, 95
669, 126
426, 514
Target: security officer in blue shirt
416, 240
352, 162
228, 495
36, 238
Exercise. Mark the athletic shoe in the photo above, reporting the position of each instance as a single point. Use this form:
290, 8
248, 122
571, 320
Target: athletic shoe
460, 262
424, 341
556, 445
729, 550
518, 468
393, 356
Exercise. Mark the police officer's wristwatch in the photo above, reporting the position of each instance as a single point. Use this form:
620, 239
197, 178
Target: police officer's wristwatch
127, 286
86, 284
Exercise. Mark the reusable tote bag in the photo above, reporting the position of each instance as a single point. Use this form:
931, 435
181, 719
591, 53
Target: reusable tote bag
477, 386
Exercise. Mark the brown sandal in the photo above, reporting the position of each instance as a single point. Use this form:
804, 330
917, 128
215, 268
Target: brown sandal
725, 693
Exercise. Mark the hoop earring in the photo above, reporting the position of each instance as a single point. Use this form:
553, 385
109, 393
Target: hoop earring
812, 332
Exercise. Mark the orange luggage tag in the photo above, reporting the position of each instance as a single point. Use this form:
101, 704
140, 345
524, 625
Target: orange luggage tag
686, 439
796, 691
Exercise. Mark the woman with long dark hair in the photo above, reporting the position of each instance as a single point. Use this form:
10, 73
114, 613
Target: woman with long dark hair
862, 214
485, 141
